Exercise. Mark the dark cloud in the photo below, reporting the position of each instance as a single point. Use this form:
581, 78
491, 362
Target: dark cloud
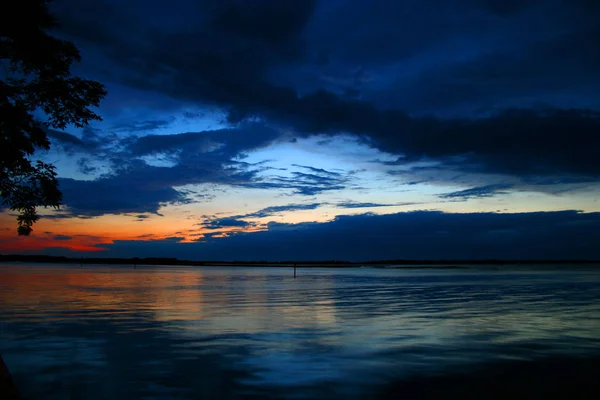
228, 143
135, 184
361, 205
238, 220
525, 143
412, 235
305, 184
62, 237
363, 35
239, 41
506, 7
137, 187
152, 144
85, 166
226, 223
142, 126
559, 70
477, 192
314, 178
538, 51
248, 53
95, 147
65, 139
116, 195
353, 204
132, 185
270, 22
64, 214
273, 210
317, 170
299, 184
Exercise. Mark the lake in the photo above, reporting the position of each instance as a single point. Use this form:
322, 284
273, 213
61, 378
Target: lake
99, 332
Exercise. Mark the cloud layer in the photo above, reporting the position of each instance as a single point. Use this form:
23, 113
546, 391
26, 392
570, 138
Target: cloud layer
411, 235
300, 65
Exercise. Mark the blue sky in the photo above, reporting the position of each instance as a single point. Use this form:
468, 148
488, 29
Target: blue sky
229, 124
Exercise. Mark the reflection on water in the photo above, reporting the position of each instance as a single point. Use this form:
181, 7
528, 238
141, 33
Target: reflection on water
113, 332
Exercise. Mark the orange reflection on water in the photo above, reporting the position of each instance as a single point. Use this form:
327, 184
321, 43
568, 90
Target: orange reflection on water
109, 291
212, 300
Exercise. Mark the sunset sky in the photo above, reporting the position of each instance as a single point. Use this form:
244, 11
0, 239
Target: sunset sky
355, 130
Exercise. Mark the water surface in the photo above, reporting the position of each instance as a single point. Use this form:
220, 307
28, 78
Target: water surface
99, 332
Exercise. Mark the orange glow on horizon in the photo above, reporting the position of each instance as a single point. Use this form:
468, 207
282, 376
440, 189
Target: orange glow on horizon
89, 235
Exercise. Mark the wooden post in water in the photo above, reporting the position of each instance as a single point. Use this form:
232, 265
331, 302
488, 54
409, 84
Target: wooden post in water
294, 271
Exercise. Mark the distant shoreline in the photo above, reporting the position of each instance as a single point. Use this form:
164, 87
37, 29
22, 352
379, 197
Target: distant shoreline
384, 264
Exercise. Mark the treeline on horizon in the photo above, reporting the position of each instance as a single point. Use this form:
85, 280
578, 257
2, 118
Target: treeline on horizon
341, 263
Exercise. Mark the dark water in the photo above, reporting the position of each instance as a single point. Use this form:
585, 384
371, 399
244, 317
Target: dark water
102, 332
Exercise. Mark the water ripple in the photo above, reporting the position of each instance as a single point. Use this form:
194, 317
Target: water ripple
106, 331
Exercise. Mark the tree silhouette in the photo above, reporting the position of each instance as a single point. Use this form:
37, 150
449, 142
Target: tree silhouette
36, 80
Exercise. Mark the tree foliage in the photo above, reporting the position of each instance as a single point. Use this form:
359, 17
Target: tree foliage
37, 92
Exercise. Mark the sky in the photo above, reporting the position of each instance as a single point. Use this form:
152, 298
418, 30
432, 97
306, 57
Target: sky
313, 130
